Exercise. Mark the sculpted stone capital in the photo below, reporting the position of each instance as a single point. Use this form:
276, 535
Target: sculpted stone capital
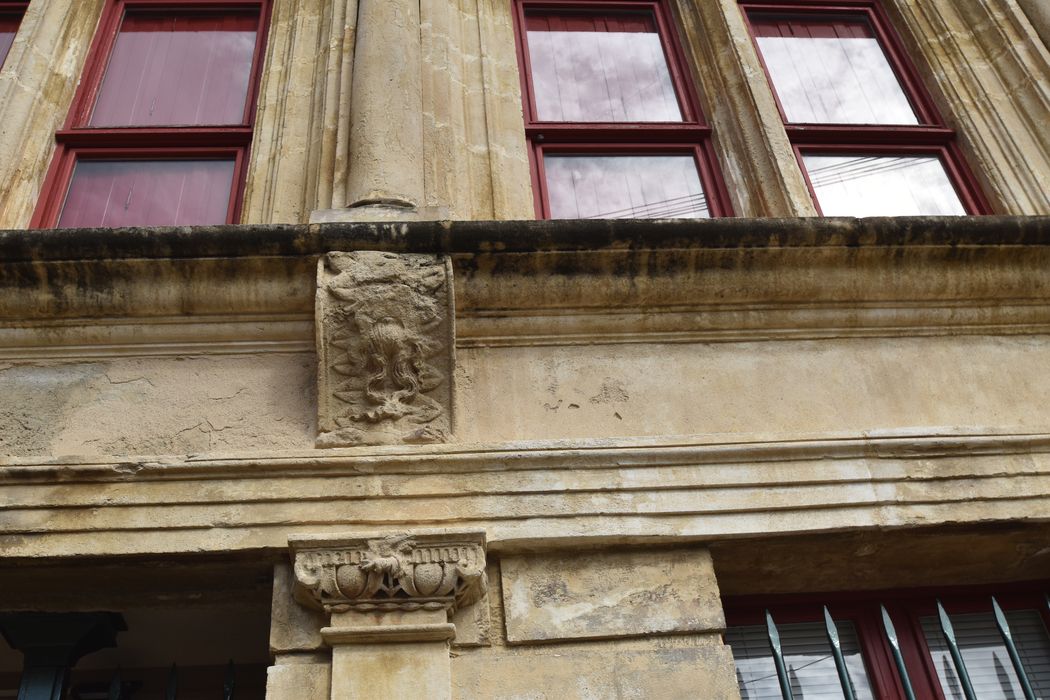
392, 573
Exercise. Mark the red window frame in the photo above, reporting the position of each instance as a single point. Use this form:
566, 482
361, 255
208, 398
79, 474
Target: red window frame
76, 139
906, 608
691, 136
930, 137
11, 14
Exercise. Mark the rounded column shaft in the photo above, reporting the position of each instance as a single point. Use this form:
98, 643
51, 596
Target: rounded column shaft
386, 113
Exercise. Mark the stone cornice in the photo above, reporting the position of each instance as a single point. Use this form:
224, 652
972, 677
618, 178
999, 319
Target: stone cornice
533, 283
539, 454
494, 238
405, 573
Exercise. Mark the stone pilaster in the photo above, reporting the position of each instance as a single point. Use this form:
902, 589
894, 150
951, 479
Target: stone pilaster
980, 55
390, 599
1038, 13
301, 668
37, 83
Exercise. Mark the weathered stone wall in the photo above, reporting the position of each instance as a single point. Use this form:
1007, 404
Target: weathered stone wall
643, 623
646, 413
790, 387
172, 405
798, 339
752, 367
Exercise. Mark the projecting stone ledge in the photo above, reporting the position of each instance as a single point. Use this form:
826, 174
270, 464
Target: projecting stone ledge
501, 237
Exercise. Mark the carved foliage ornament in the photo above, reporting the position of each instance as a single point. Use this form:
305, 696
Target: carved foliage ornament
385, 342
393, 573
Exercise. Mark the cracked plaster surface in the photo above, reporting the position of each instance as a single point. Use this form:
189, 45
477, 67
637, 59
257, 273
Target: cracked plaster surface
157, 405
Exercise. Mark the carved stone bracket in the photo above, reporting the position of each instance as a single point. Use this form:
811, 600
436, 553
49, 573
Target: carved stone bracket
404, 573
385, 347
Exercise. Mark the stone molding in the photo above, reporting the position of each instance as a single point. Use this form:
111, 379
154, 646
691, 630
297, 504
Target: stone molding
525, 495
385, 348
39, 77
157, 336
711, 281
389, 634
300, 146
990, 68
1038, 13
402, 573
756, 159
168, 336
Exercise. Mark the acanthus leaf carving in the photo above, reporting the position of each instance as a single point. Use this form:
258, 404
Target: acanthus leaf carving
398, 572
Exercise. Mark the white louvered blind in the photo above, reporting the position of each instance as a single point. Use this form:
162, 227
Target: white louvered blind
987, 661
808, 657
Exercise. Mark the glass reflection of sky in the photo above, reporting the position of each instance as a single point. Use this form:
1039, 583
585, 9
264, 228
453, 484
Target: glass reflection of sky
808, 657
190, 73
624, 187
835, 81
7, 37
987, 660
601, 77
882, 186
148, 193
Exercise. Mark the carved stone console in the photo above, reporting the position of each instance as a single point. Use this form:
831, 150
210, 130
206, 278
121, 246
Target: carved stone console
385, 344
390, 599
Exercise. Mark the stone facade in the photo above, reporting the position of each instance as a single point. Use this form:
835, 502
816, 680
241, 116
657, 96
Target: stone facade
437, 449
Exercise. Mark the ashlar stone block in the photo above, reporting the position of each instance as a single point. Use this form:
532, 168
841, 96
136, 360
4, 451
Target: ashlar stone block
610, 594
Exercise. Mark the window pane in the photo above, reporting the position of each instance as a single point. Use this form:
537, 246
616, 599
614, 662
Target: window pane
987, 661
831, 72
882, 186
600, 68
8, 27
624, 187
808, 657
148, 193
178, 70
